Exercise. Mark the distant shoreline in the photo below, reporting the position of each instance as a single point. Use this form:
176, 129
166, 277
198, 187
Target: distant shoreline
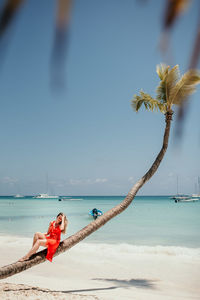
31, 196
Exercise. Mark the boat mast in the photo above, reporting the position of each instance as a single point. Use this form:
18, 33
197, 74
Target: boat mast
199, 185
177, 185
47, 184
195, 189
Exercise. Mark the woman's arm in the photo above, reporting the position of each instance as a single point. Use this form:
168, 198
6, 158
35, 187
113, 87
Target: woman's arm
62, 225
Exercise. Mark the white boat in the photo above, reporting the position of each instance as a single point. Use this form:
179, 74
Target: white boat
69, 199
180, 197
197, 189
187, 200
45, 196
18, 196
195, 196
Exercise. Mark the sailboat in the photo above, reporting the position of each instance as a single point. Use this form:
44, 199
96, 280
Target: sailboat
197, 194
18, 196
46, 195
180, 197
186, 198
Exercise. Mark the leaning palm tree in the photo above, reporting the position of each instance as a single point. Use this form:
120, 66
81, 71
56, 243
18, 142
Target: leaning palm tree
170, 91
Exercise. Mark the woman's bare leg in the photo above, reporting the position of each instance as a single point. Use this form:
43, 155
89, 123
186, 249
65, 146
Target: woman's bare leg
38, 236
34, 249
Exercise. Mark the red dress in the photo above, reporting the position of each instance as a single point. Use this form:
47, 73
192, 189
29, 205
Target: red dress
53, 240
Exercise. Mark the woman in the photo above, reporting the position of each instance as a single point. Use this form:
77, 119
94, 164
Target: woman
51, 239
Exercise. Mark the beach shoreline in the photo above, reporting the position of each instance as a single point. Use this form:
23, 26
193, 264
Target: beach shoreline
104, 272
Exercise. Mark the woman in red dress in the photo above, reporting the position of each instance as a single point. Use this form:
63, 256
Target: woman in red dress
51, 239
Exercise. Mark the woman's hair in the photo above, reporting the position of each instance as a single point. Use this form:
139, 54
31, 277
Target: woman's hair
65, 221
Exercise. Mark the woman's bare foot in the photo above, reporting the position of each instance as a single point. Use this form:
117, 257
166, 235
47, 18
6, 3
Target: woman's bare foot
24, 258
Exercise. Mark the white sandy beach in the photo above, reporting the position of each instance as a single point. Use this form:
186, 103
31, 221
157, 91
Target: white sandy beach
106, 272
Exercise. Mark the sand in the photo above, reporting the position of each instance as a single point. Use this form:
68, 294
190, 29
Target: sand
21, 291
104, 272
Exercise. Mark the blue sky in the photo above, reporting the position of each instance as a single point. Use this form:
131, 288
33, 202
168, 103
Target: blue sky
87, 137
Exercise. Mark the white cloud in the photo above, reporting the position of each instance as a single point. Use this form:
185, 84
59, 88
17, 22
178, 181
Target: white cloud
75, 181
101, 180
87, 181
9, 180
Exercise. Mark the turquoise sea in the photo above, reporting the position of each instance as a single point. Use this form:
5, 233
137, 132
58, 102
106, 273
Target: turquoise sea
148, 221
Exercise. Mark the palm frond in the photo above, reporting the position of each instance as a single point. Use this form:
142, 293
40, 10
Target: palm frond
170, 91
136, 103
184, 87
170, 77
162, 70
161, 92
162, 107
171, 80
149, 103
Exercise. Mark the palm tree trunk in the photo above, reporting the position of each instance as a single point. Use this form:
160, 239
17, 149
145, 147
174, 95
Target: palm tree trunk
39, 257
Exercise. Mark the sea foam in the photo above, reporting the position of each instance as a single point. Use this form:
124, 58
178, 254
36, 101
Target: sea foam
111, 250
126, 249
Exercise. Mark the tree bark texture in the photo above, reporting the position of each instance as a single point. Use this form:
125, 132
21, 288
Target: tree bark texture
68, 243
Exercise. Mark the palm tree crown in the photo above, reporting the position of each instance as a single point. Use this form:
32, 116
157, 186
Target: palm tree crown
171, 90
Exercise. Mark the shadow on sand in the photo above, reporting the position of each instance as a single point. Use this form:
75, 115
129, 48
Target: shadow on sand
138, 283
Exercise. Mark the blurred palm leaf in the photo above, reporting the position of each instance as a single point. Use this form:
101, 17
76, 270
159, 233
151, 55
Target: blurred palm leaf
192, 65
173, 10
8, 14
63, 13
196, 48
60, 46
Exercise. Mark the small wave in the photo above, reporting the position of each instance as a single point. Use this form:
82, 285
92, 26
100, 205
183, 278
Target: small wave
113, 250
126, 249
14, 240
